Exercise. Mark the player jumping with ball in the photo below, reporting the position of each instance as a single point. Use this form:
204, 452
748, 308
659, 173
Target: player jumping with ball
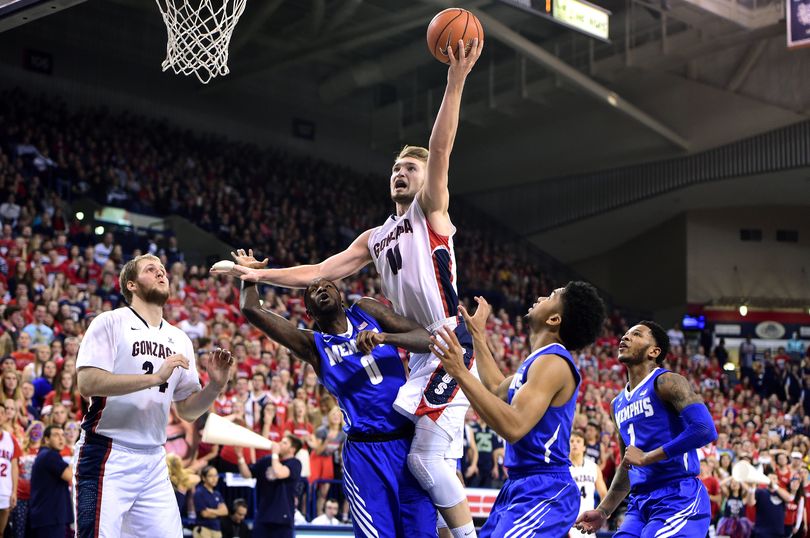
413, 253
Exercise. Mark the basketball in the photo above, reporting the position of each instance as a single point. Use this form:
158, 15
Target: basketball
447, 27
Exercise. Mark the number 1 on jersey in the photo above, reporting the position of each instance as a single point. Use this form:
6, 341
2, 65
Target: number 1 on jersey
394, 258
632, 433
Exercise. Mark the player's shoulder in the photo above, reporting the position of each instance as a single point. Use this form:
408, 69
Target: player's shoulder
546, 360
665, 380
174, 330
369, 305
112, 317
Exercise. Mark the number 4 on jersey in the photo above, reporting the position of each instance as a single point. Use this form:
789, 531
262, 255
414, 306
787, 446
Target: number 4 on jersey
149, 368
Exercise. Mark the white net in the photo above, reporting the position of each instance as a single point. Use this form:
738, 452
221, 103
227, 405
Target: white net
199, 32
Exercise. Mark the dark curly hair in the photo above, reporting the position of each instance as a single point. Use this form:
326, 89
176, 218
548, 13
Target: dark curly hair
661, 339
583, 313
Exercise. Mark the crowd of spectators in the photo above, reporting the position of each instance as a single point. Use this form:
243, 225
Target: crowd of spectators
56, 275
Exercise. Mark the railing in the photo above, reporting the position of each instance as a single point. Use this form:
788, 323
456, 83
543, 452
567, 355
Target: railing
481, 501
585, 195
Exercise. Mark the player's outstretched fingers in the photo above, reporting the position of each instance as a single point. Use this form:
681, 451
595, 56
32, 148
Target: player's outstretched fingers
477, 47
178, 360
465, 314
167, 368
222, 356
449, 337
437, 347
451, 55
483, 303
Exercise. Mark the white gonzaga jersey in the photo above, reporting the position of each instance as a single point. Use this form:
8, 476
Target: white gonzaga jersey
417, 267
121, 342
9, 450
585, 477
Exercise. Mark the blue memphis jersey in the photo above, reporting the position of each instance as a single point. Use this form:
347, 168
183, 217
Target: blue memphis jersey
364, 385
546, 447
646, 422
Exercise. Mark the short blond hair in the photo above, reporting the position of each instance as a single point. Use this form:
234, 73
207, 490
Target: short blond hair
414, 152
129, 272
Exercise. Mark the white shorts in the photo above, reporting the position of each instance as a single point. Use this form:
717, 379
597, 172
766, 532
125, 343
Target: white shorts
120, 491
450, 416
5, 502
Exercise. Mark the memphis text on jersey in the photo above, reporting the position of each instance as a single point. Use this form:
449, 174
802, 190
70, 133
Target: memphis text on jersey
633, 409
336, 352
404, 227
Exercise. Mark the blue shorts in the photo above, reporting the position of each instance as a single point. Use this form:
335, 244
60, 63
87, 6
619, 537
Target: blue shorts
677, 510
544, 504
385, 498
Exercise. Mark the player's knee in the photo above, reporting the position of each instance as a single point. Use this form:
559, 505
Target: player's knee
419, 468
437, 478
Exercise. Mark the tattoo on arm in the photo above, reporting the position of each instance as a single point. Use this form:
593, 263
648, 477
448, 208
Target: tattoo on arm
675, 390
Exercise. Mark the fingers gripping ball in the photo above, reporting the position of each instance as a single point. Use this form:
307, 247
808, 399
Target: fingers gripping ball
448, 27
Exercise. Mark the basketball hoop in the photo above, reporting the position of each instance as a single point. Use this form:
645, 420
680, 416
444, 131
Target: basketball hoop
199, 32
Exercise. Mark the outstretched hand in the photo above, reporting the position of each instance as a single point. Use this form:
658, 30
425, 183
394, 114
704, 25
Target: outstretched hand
476, 325
246, 267
446, 347
219, 366
246, 259
461, 65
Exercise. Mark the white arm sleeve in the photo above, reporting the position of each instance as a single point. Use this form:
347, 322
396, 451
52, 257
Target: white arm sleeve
98, 346
189, 379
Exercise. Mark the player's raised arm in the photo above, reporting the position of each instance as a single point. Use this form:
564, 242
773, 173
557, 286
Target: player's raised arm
398, 330
675, 390
276, 327
338, 266
546, 378
434, 196
592, 520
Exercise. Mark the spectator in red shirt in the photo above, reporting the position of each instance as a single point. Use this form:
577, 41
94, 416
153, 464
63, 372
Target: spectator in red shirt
795, 525
24, 354
243, 369
299, 424
66, 392
268, 428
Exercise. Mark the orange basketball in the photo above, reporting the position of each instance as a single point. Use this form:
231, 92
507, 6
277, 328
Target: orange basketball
448, 27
